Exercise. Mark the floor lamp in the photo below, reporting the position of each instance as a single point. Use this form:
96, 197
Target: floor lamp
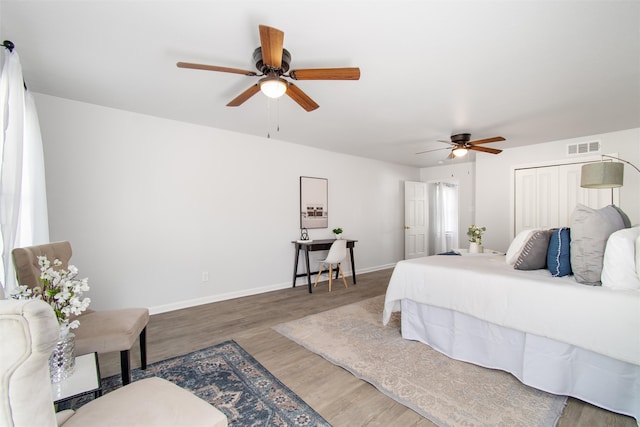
604, 174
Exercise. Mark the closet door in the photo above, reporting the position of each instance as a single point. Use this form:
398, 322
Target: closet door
548, 203
526, 199
536, 198
570, 193
546, 196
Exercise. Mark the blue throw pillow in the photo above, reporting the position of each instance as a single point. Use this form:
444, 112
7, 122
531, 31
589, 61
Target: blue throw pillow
559, 254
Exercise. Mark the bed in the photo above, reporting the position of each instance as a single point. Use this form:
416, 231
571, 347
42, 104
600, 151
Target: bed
552, 333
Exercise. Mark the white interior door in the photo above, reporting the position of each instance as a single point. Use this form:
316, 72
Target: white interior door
415, 219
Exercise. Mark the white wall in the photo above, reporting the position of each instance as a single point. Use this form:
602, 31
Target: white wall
494, 180
149, 204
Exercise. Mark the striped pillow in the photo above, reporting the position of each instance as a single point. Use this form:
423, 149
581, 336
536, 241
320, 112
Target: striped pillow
559, 255
534, 253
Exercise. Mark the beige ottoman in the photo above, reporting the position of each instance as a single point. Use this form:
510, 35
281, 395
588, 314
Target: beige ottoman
148, 402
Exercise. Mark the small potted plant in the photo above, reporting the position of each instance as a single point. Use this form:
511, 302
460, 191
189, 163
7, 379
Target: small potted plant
475, 238
338, 232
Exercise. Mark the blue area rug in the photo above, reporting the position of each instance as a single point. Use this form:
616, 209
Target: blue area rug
229, 378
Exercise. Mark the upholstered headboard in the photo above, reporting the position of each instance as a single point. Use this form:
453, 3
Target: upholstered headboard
25, 260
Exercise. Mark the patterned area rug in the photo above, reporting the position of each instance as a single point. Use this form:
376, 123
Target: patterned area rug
229, 378
445, 391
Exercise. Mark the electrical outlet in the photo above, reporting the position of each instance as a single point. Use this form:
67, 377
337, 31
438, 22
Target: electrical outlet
205, 276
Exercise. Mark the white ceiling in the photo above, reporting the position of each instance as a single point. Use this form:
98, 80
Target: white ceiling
531, 71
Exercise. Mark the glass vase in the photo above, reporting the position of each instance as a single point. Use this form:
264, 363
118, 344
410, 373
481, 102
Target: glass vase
62, 361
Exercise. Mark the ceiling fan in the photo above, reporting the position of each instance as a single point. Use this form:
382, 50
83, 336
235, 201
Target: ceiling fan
462, 143
272, 62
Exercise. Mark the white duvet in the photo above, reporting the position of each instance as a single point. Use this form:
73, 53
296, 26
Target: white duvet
603, 320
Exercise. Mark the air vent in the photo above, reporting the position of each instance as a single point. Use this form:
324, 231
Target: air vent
583, 148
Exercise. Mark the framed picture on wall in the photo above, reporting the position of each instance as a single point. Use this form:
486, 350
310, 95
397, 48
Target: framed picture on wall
314, 196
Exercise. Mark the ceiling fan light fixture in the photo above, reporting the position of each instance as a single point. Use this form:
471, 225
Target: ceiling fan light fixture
273, 86
460, 151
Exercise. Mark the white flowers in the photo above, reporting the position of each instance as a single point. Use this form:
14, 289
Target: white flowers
60, 289
475, 234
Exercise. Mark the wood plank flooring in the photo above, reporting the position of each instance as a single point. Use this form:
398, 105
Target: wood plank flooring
338, 396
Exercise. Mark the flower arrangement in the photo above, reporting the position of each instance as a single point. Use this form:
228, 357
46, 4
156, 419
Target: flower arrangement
60, 289
475, 234
337, 231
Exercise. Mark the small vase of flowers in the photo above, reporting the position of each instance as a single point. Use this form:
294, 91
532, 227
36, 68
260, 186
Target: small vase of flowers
337, 232
475, 238
63, 292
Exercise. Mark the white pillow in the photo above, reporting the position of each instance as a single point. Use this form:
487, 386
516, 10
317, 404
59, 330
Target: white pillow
619, 264
517, 245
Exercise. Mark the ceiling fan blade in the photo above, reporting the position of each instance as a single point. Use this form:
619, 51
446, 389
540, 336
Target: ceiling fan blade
352, 73
436, 149
485, 149
240, 99
451, 156
271, 41
487, 140
215, 68
301, 98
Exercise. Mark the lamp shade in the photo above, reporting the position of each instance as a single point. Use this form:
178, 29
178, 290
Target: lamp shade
602, 175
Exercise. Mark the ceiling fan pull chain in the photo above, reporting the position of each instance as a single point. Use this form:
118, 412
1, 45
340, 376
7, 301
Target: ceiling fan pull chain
268, 118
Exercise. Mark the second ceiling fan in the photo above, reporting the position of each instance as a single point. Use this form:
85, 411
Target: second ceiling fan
272, 61
462, 143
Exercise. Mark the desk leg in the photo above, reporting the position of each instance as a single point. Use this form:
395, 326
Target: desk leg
353, 266
295, 264
306, 258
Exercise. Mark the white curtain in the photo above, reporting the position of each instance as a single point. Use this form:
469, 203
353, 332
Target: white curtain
443, 218
23, 203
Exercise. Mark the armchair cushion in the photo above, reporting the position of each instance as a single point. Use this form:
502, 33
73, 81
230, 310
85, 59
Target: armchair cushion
148, 402
109, 330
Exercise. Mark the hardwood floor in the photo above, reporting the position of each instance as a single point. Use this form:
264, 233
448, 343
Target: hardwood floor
341, 398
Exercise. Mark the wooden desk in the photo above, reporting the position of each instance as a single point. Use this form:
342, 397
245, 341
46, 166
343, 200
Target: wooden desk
318, 245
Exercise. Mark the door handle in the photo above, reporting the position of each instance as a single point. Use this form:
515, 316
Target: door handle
406, 227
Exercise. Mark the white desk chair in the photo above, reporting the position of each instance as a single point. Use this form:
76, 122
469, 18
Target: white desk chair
337, 254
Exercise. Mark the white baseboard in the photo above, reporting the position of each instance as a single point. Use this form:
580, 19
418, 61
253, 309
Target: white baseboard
300, 281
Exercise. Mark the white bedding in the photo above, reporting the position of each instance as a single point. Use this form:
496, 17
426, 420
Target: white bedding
539, 362
598, 319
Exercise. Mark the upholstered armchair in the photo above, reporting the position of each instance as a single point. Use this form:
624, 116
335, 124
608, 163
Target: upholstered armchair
102, 331
29, 332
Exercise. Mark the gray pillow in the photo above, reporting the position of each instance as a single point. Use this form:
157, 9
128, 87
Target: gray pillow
590, 229
534, 253
625, 218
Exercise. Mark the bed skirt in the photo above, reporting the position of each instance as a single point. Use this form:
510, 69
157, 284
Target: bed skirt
539, 362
